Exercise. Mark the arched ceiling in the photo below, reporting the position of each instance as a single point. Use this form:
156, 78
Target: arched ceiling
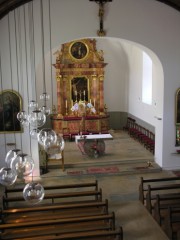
8, 5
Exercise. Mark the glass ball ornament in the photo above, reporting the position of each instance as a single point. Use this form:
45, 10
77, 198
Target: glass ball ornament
45, 110
33, 193
8, 176
45, 96
47, 137
60, 143
23, 164
22, 116
37, 118
10, 156
34, 132
32, 105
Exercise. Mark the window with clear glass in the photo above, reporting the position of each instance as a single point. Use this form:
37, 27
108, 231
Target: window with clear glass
147, 79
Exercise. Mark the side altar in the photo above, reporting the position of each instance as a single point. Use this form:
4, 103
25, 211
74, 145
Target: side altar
80, 89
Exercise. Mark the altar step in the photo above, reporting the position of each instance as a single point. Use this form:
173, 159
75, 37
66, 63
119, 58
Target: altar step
100, 167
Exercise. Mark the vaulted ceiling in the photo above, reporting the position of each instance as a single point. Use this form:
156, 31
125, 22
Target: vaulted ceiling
8, 5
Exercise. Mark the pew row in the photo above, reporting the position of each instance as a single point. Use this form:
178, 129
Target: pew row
94, 235
57, 226
8, 191
55, 211
172, 223
162, 203
143, 186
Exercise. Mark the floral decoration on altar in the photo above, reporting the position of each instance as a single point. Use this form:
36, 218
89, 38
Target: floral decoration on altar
82, 108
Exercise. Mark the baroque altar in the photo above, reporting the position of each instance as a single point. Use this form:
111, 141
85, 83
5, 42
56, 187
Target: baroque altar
80, 89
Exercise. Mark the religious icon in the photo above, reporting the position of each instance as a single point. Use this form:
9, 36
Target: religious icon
79, 50
10, 105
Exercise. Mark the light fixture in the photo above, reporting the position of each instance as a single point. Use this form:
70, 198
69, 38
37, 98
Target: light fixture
37, 118
33, 192
34, 132
8, 176
10, 156
23, 164
47, 137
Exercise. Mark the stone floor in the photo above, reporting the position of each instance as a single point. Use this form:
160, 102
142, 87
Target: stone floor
121, 189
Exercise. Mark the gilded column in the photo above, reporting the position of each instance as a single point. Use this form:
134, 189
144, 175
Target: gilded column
94, 90
59, 95
101, 95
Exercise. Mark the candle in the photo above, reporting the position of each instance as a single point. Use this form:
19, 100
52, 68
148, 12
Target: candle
72, 103
66, 103
94, 102
76, 93
90, 100
84, 93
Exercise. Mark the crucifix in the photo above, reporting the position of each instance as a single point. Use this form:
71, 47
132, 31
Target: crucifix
101, 32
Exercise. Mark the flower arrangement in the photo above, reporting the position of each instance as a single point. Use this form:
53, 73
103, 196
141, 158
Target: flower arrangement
81, 107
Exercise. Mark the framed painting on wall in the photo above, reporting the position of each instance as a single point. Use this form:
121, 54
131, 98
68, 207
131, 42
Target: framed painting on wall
10, 105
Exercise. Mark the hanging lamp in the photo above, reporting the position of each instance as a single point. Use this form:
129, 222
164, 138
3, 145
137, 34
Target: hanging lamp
33, 193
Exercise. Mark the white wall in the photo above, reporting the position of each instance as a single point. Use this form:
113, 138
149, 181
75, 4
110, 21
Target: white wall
147, 23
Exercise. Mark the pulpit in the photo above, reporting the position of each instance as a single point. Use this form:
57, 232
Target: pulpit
80, 89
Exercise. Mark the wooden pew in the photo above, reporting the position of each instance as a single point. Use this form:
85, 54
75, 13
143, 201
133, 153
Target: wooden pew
162, 203
16, 189
80, 196
94, 235
163, 189
54, 211
172, 222
143, 186
57, 226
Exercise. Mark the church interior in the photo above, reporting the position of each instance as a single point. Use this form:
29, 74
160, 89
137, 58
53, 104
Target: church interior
89, 119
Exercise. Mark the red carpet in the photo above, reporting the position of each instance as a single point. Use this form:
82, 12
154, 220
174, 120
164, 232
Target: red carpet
102, 170
94, 170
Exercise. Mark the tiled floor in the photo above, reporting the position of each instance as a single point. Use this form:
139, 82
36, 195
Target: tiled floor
120, 189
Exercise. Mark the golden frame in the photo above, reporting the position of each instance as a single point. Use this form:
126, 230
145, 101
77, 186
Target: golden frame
10, 105
79, 91
78, 50
177, 104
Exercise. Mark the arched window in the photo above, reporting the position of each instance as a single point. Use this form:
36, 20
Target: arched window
147, 79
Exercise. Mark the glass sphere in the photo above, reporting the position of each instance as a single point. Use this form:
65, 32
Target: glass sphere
32, 105
37, 118
45, 110
60, 143
47, 137
22, 116
8, 176
34, 132
33, 193
45, 96
11, 155
25, 122
23, 164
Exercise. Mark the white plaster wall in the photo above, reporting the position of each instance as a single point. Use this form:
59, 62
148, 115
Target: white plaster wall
148, 23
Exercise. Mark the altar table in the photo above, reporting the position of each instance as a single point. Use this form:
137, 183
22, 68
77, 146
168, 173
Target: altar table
93, 144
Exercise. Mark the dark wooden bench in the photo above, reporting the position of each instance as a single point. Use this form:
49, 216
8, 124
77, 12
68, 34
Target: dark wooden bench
54, 211
172, 222
8, 191
57, 226
92, 195
152, 192
162, 203
94, 235
143, 186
